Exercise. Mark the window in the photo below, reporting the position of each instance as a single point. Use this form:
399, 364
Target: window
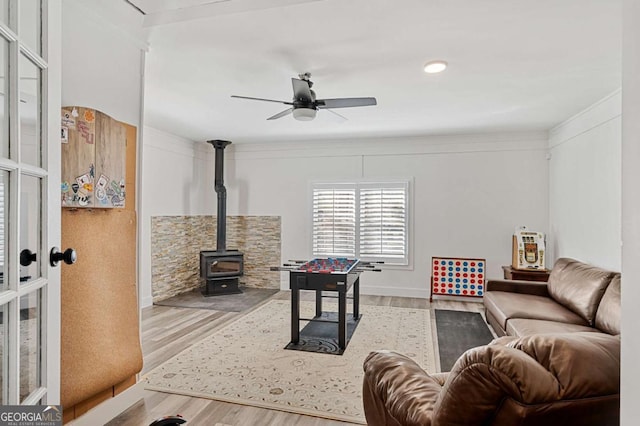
334, 220
367, 220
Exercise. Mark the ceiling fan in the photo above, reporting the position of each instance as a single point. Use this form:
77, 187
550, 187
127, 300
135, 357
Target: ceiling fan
305, 106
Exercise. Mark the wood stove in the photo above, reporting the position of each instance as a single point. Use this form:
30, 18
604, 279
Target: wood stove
220, 268
219, 271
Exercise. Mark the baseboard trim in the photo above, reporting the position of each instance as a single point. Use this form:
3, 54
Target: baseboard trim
419, 293
146, 301
111, 408
458, 298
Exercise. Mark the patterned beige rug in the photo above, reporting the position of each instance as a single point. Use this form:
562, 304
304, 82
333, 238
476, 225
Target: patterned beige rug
245, 362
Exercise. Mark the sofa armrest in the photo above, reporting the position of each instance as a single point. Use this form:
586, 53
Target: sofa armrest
514, 286
396, 391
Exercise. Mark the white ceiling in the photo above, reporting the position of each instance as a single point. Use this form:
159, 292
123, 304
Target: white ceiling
514, 65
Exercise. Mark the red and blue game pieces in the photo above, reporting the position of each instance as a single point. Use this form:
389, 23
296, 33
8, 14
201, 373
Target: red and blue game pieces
458, 276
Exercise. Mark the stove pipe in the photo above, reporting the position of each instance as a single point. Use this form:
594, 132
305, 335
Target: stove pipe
221, 234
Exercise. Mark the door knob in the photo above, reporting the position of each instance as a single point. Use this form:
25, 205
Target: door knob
27, 257
69, 256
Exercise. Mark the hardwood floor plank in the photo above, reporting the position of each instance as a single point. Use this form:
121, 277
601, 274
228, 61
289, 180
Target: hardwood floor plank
175, 329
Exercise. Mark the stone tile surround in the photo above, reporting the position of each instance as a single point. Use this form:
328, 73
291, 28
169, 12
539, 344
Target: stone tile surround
176, 242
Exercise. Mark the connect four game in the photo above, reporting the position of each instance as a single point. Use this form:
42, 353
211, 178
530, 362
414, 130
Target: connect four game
452, 276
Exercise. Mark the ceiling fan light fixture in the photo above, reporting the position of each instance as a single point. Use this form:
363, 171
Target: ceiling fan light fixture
434, 67
304, 105
304, 114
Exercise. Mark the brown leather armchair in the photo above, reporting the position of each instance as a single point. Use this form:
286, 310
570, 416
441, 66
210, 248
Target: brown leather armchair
544, 379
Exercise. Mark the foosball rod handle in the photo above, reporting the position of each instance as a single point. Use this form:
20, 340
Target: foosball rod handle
367, 267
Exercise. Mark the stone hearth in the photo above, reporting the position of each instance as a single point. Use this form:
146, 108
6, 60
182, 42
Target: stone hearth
176, 242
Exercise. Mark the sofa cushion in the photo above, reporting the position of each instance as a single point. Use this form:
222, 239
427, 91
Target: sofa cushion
525, 327
585, 364
578, 286
608, 313
552, 379
504, 305
396, 391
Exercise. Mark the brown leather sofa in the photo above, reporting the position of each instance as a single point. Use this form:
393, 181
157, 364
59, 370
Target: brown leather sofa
543, 379
577, 297
560, 364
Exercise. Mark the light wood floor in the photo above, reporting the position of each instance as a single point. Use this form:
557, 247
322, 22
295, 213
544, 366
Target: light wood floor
166, 331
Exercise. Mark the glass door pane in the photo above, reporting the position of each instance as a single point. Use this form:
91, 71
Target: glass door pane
4, 98
30, 228
4, 227
31, 24
4, 12
30, 326
3, 352
30, 119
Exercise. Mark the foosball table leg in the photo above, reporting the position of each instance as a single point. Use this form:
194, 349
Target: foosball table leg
342, 319
318, 303
356, 299
295, 312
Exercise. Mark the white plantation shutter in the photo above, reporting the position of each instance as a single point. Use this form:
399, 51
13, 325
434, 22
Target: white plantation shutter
368, 220
334, 221
383, 221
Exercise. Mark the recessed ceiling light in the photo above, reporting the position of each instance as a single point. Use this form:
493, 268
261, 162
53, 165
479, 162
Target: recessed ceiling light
435, 67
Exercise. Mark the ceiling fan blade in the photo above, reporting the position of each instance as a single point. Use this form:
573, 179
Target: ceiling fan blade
335, 113
262, 99
281, 114
301, 90
345, 102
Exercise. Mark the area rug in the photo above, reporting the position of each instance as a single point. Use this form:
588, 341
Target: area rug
459, 331
245, 362
249, 298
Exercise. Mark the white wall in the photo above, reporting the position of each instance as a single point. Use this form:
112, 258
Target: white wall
177, 180
469, 193
585, 185
630, 213
102, 53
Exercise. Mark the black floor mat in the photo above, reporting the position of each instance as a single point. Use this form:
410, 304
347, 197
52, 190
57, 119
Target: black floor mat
322, 337
457, 332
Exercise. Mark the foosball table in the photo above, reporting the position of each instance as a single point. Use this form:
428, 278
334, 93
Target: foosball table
326, 274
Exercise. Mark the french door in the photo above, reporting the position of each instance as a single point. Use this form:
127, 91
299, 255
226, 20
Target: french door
29, 201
